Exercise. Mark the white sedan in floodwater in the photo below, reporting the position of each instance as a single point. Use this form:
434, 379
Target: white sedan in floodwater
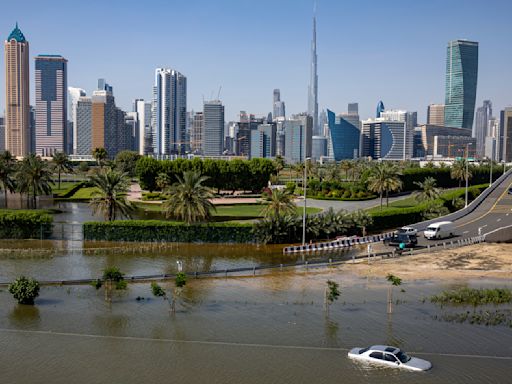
389, 356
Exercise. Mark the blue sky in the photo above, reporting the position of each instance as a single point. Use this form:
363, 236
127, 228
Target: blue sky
368, 50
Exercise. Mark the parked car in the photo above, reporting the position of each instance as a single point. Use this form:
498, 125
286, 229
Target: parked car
440, 230
389, 356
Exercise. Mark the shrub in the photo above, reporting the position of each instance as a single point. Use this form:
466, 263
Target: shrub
25, 224
181, 279
25, 290
159, 230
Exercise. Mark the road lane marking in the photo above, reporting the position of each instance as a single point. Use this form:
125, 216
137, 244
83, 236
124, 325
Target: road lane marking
498, 220
465, 232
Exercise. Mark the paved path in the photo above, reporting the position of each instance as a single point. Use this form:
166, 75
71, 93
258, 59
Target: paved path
350, 206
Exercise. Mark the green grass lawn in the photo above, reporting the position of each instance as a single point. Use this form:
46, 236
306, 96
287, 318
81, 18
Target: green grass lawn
64, 185
234, 210
84, 193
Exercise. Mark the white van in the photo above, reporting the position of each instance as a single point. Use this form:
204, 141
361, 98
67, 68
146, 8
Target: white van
439, 230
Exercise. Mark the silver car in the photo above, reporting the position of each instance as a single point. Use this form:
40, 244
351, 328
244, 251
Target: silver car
389, 356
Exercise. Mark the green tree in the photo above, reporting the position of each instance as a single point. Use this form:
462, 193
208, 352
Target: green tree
109, 199
163, 181
112, 279
100, 155
34, 177
126, 161
83, 167
428, 190
361, 219
7, 174
61, 164
24, 290
332, 292
189, 199
384, 178
395, 281
279, 202
458, 171
346, 166
147, 169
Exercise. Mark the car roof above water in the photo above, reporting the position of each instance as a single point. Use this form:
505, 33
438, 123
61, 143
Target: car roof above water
384, 348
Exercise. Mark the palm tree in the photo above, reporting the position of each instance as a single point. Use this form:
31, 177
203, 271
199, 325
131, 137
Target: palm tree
109, 198
332, 172
361, 219
346, 165
458, 171
34, 177
7, 171
163, 181
100, 154
428, 190
189, 198
61, 163
384, 179
279, 203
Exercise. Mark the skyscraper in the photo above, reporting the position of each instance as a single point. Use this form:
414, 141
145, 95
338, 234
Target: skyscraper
435, 114
143, 110
344, 135
505, 140
298, 138
196, 134
483, 115
313, 84
381, 139
2, 134
380, 109
17, 96
83, 127
213, 134
461, 81
279, 107
51, 104
411, 121
169, 112
74, 96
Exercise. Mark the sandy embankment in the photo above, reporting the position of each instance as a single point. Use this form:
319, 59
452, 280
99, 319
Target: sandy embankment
481, 260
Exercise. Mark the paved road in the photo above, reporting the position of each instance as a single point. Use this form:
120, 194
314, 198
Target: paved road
349, 206
493, 213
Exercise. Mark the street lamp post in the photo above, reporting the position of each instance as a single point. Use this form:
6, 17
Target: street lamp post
504, 166
490, 176
467, 171
304, 184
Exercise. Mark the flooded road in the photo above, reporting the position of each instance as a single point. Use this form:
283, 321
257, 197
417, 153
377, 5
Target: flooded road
269, 329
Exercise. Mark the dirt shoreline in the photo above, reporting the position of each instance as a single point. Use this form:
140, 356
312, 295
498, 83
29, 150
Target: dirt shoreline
476, 261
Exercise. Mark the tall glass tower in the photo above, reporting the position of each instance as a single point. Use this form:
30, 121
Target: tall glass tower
461, 80
313, 84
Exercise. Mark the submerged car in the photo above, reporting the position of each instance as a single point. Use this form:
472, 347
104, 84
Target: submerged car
389, 356
409, 241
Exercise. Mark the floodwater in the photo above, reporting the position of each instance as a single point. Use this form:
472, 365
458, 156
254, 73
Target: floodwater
266, 329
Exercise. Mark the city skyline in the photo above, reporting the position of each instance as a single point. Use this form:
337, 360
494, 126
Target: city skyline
342, 78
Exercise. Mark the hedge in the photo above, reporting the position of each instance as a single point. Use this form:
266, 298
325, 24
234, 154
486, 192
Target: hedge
443, 177
25, 224
159, 230
398, 217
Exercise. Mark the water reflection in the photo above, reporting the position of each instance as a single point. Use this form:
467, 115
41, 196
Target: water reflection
24, 316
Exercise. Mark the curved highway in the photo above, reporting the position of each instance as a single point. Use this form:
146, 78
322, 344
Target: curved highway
492, 212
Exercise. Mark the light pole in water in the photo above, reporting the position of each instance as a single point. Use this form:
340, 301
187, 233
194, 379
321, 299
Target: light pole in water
467, 171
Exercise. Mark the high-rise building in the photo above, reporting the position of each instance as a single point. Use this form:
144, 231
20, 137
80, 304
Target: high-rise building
298, 138
319, 147
461, 81
435, 114
353, 109
132, 131
2, 134
411, 121
263, 141
213, 135
74, 95
109, 128
17, 94
143, 137
313, 84
384, 139
429, 132
380, 109
83, 126
344, 136
51, 104
483, 115
196, 133
279, 107
169, 112
505, 141
492, 150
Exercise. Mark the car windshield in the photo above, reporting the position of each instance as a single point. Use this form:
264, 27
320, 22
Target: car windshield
402, 356
433, 229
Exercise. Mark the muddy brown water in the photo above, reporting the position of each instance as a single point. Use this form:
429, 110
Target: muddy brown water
269, 329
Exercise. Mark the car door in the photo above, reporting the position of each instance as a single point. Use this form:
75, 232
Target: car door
391, 360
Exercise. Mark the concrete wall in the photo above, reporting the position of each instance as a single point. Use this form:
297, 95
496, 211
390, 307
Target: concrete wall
502, 235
